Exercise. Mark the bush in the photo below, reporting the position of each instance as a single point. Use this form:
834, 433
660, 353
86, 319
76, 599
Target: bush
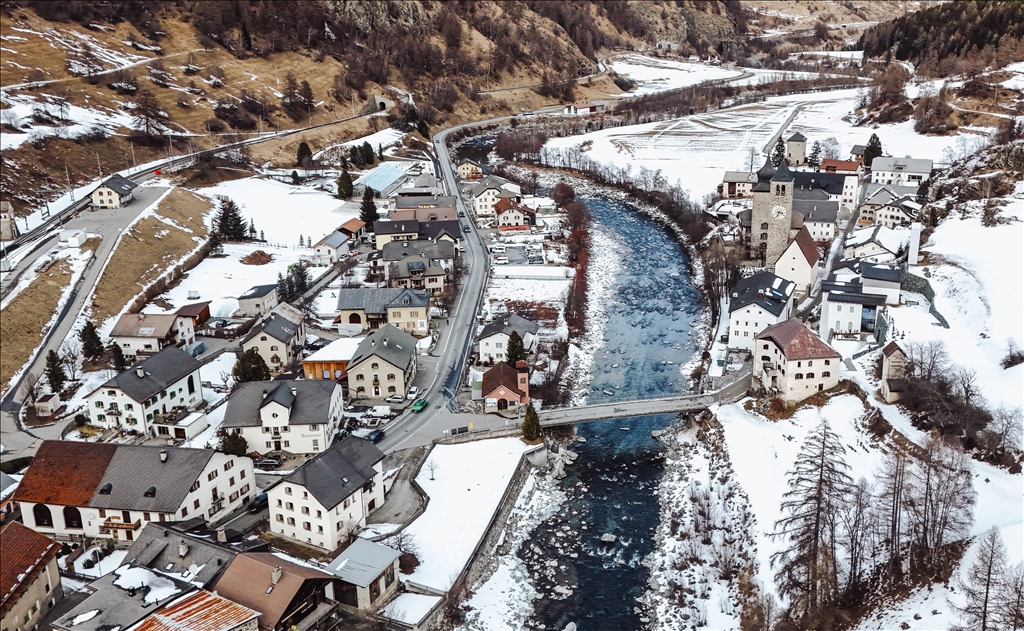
215, 125
88, 564
778, 405
1014, 356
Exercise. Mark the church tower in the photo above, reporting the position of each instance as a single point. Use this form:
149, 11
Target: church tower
772, 213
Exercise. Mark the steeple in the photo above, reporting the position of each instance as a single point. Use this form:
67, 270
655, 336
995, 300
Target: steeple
782, 174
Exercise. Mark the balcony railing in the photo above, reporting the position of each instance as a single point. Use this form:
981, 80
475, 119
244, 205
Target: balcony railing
116, 525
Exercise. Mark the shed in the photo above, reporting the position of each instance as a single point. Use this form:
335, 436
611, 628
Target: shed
368, 571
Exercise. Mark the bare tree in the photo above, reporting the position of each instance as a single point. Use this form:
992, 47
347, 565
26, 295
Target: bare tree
965, 381
892, 482
830, 148
855, 537
71, 357
1010, 604
33, 387
940, 503
982, 584
404, 542
1004, 431
927, 359
431, 467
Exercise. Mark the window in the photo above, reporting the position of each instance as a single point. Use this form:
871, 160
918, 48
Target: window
41, 513
764, 226
191, 384
286, 429
280, 518
231, 481
828, 362
798, 375
266, 430
103, 514
389, 575
184, 512
211, 476
229, 464
287, 444
826, 374
145, 516
320, 529
391, 376
374, 590
287, 490
195, 504
765, 347
305, 510
360, 377
291, 521
810, 375
306, 525
244, 489
314, 427
263, 338
241, 474
319, 515
279, 503
273, 348
316, 442
374, 366
270, 445
396, 314
414, 314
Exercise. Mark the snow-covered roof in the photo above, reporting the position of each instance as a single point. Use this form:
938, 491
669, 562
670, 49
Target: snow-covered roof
341, 349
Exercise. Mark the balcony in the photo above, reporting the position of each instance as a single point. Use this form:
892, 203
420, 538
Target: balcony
116, 525
113, 412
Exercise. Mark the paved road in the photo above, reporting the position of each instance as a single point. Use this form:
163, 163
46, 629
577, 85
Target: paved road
108, 223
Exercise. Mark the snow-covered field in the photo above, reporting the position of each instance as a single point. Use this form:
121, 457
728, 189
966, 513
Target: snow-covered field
468, 483
658, 75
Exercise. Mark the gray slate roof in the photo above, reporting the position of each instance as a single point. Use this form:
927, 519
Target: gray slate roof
258, 291
434, 229
325, 476
739, 177
311, 403
912, 165
819, 211
118, 610
157, 546
425, 201
120, 184
362, 562
508, 323
334, 240
409, 226
377, 300
396, 250
831, 183
486, 182
161, 370
390, 344
764, 289
135, 468
797, 137
276, 326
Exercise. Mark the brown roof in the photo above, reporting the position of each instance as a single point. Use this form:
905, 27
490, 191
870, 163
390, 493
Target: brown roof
353, 225
25, 554
807, 247
839, 165
199, 611
65, 473
247, 580
144, 325
796, 341
891, 348
195, 309
501, 375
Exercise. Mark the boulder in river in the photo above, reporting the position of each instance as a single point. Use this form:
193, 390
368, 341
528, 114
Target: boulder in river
608, 537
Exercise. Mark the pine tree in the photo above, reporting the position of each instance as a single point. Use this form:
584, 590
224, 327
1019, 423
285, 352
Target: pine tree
368, 209
92, 347
117, 360
424, 130
818, 484
250, 366
262, 238
923, 190
282, 288
252, 228
302, 241
873, 150
216, 244
146, 115
380, 153
344, 185
515, 351
306, 98
229, 222
290, 95
355, 154
778, 152
303, 154
983, 583
367, 152
233, 443
815, 158
531, 424
55, 374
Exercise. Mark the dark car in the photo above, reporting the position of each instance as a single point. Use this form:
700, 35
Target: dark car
269, 462
465, 228
462, 213
259, 503
376, 436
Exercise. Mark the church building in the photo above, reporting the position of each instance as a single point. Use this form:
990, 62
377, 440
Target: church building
771, 223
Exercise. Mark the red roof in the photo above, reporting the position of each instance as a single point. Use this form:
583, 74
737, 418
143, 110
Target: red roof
199, 611
891, 348
501, 375
831, 164
505, 204
65, 473
796, 341
247, 581
25, 554
807, 248
353, 225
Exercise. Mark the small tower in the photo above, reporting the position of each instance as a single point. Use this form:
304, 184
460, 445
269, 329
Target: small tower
8, 227
796, 149
781, 221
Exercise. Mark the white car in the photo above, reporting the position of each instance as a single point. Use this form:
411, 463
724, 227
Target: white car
501, 260
413, 391
395, 398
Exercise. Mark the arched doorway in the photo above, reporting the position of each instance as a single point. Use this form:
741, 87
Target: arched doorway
72, 517
41, 513
502, 404
354, 318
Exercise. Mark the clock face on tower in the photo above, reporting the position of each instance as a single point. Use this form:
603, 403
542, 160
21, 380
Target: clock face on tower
778, 212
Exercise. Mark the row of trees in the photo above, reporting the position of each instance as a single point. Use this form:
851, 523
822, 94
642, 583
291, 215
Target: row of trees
292, 285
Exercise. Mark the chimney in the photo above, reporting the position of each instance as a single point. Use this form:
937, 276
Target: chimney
221, 537
760, 293
264, 394
295, 392
275, 575
915, 244
182, 549
163, 455
140, 372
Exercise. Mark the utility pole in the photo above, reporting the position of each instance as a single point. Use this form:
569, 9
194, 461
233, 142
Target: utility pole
133, 154
70, 190
99, 167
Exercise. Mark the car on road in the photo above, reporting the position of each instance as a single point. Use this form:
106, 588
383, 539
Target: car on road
466, 228
395, 398
419, 406
376, 436
413, 391
269, 462
462, 213
259, 503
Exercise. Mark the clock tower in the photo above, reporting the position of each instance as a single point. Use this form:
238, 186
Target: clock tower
772, 213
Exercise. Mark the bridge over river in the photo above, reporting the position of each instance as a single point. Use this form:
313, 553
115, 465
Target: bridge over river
644, 407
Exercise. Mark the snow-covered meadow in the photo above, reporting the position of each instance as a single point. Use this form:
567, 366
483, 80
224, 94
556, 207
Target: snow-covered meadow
657, 75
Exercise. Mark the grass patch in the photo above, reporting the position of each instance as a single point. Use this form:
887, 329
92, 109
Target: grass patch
148, 248
24, 321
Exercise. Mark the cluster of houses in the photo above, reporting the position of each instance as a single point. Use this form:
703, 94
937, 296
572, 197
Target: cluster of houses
497, 202
793, 217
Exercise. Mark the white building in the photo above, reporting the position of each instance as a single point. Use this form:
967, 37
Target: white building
793, 363
875, 244
492, 343
278, 338
114, 192
897, 213
800, 263
737, 184
894, 369
327, 500
846, 310
102, 490
820, 218
331, 248
138, 398
300, 417
512, 215
384, 365
900, 171
756, 303
143, 334
257, 301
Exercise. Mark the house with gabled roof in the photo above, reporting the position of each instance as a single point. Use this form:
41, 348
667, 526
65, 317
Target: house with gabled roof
114, 192
298, 417
513, 215
800, 263
492, 342
831, 165
278, 338
200, 611
258, 301
894, 372
421, 264
898, 212
124, 598
505, 388
29, 577
201, 559
900, 171
142, 334
327, 499
136, 399
331, 248
756, 303
354, 229
384, 365
737, 184
793, 363
74, 490
368, 573
469, 169
796, 149
372, 308
875, 244
488, 190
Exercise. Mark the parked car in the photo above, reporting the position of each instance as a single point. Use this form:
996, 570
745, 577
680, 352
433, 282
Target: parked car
419, 406
413, 391
501, 260
220, 324
268, 462
395, 398
259, 503
466, 228
376, 436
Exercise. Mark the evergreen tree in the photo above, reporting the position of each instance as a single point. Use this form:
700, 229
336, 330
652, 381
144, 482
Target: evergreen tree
117, 360
252, 228
815, 158
303, 154
873, 150
282, 288
262, 238
55, 374
306, 98
290, 95
778, 152
92, 347
355, 154
515, 351
818, 484
147, 115
425, 131
344, 185
229, 222
531, 424
233, 443
300, 278
216, 244
302, 241
923, 190
983, 583
295, 178
368, 210
250, 367
367, 152
380, 153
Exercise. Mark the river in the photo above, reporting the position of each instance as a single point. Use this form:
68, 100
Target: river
650, 307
